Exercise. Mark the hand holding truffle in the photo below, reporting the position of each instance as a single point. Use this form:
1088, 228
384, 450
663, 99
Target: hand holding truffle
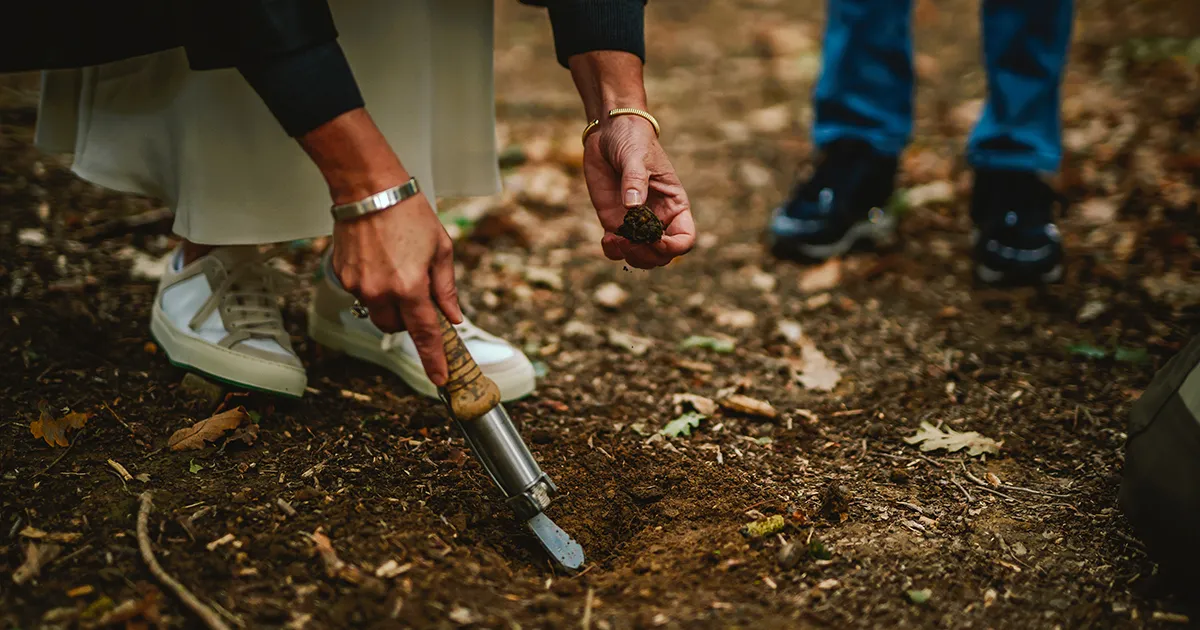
639, 199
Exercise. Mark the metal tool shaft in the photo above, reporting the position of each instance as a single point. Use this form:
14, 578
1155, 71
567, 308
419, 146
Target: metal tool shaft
495, 441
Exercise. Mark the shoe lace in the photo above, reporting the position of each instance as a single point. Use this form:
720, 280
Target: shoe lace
467, 331
248, 296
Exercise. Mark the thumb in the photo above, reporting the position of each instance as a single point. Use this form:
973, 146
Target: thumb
635, 180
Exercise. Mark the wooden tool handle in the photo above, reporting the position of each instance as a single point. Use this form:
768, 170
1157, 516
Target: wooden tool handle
471, 393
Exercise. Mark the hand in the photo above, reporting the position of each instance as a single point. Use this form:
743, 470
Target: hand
393, 261
625, 167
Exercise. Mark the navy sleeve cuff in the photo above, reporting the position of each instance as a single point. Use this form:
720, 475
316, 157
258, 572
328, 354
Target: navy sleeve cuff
582, 26
307, 88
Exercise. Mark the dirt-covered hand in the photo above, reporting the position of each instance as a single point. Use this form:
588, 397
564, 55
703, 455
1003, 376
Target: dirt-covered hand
393, 261
625, 167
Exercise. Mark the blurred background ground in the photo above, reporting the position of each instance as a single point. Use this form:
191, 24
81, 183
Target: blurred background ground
850, 357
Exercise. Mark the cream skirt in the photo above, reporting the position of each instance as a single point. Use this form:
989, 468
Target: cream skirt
204, 142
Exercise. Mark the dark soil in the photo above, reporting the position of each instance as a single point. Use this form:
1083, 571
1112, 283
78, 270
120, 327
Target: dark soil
641, 226
380, 472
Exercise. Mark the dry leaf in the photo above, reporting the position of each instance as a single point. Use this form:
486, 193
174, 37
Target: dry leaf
335, 566
198, 435
701, 404
932, 438
54, 430
246, 434
36, 556
747, 405
823, 277
391, 569
993, 480
54, 537
816, 370
736, 318
134, 613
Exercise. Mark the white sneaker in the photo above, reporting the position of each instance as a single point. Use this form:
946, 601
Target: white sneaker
331, 324
220, 316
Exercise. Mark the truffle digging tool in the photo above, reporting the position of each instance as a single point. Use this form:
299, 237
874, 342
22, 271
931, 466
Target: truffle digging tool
473, 400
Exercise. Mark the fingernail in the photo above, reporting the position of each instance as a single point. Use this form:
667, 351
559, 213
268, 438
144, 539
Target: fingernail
633, 197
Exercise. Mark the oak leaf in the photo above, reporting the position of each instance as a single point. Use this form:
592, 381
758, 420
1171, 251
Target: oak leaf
54, 430
200, 434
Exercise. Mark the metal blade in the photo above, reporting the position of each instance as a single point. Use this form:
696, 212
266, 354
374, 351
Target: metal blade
557, 543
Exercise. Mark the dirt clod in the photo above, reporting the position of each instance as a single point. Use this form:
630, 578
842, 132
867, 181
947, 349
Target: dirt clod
641, 226
835, 503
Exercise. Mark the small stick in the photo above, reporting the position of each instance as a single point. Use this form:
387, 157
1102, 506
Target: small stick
954, 481
206, 614
119, 418
59, 458
587, 609
1032, 491
983, 485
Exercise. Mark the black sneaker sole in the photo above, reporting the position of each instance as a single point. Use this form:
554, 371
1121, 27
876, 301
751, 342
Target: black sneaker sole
879, 233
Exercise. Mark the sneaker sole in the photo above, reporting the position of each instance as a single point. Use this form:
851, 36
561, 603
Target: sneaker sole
224, 365
328, 334
878, 233
988, 275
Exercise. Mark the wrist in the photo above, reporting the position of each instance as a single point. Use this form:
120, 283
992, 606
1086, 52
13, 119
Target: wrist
607, 80
353, 157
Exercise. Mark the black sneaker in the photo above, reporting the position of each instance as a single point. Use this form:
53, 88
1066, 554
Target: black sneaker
841, 205
1015, 240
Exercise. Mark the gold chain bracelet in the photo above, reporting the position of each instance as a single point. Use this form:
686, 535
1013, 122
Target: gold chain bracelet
623, 111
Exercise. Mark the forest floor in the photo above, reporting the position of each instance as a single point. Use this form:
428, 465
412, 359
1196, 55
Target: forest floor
884, 534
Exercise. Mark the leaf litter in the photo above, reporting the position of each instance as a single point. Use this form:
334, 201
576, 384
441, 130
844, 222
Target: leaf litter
198, 435
931, 438
683, 425
54, 430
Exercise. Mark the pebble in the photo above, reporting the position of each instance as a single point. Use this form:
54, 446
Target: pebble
610, 295
791, 554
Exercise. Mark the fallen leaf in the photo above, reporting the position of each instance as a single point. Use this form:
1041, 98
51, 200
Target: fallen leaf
131, 610
1087, 350
750, 406
939, 192
822, 277
993, 480
683, 425
80, 591
792, 331
60, 537
334, 566
719, 345
931, 438
36, 556
245, 434
1090, 311
736, 318
919, 596
1099, 210
705, 406
198, 435
31, 236
828, 584
764, 527
54, 430
635, 345
816, 370
610, 295
147, 267
463, 616
193, 467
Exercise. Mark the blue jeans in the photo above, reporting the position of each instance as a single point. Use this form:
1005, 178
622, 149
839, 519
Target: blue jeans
866, 85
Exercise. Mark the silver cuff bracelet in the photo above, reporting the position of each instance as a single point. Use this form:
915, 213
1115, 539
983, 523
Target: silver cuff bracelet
378, 201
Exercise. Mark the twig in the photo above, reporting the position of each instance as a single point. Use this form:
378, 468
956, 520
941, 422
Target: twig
954, 481
587, 610
59, 458
206, 614
74, 554
983, 485
1032, 491
119, 418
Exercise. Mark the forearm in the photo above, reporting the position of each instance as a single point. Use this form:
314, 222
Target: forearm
353, 157
608, 79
